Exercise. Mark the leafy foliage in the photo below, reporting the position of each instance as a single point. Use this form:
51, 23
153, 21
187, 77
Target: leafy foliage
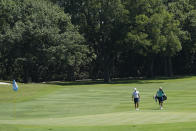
38, 40
68, 39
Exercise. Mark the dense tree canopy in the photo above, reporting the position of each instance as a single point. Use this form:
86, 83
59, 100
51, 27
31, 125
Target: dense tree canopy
153, 31
39, 42
45, 40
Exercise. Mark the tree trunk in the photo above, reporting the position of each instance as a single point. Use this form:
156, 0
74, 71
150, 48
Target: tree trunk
165, 66
170, 67
107, 78
151, 67
26, 73
107, 66
71, 76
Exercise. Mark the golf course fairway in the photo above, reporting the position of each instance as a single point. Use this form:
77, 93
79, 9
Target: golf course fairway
95, 106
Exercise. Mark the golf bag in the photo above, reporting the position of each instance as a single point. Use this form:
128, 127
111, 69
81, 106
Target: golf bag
164, 97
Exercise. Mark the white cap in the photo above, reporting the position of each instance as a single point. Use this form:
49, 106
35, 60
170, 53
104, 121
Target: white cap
160, 87
135, 89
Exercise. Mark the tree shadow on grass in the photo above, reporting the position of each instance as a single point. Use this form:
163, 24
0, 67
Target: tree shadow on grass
170, 78
94, 82
132, 80
72, 83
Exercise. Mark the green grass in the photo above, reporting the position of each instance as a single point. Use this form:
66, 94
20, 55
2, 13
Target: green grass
94, 106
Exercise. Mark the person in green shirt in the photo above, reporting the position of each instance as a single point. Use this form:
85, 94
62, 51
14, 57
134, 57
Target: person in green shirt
160, 96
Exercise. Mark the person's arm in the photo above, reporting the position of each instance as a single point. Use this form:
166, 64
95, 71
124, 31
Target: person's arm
132, 96
163, 93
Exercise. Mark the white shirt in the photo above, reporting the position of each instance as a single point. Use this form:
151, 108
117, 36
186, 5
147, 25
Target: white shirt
136, 94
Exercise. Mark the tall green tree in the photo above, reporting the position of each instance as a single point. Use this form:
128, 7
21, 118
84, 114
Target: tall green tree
183, 11
38, 42
153, 31
103, 25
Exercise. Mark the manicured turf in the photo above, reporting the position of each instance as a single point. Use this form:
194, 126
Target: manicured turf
93, 106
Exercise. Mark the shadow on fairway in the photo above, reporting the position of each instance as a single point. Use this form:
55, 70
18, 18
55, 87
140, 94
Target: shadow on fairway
136, 80
94, 82
70, 83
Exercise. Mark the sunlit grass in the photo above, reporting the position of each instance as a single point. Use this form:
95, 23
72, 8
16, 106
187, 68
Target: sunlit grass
93, 105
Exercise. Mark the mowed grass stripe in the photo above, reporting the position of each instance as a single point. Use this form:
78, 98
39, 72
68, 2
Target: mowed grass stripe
97, 105
122, 118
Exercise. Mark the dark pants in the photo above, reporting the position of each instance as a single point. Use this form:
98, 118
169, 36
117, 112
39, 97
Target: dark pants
136, 100
160, 99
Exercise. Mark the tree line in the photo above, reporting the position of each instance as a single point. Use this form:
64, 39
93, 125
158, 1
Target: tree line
44, 40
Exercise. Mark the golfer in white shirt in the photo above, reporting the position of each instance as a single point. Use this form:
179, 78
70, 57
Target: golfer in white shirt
136, 97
